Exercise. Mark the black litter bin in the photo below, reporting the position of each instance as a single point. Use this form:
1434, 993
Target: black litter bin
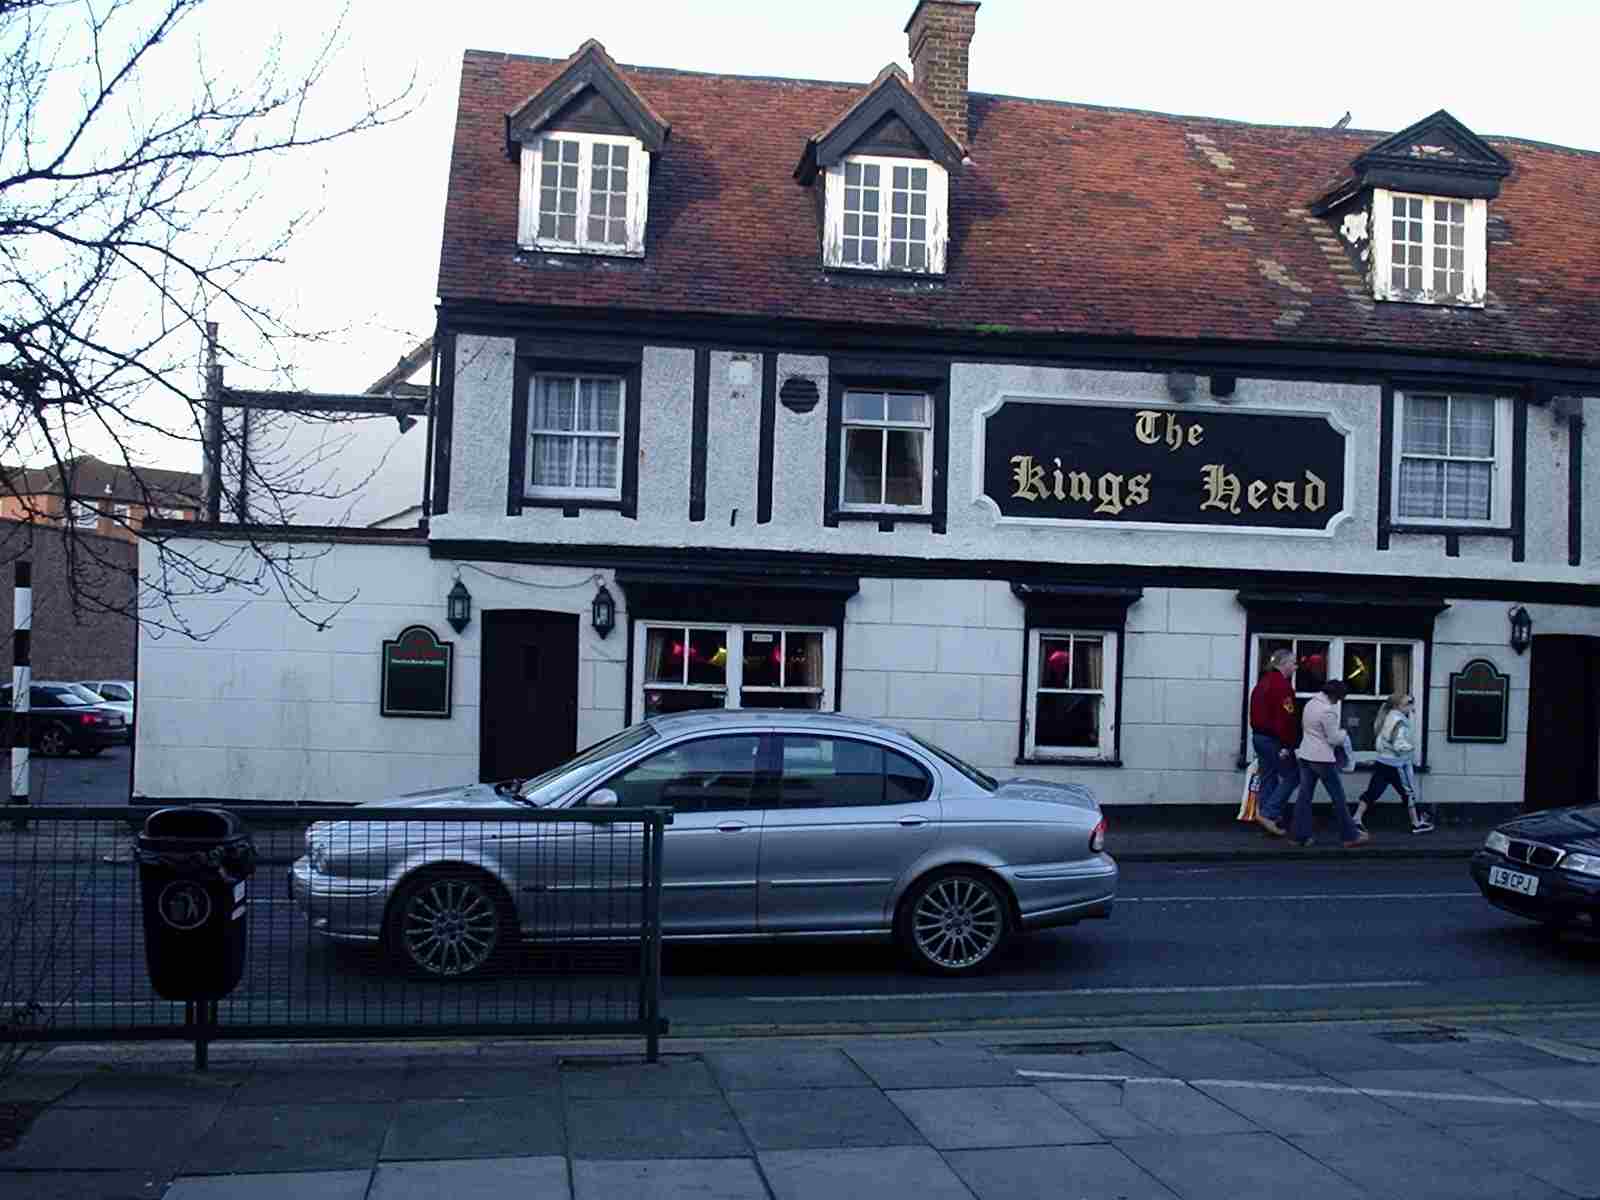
194, 867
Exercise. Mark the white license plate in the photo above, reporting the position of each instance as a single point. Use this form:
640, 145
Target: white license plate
1514, 881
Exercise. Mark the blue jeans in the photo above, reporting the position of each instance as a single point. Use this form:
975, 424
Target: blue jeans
1328, 773
1279, 776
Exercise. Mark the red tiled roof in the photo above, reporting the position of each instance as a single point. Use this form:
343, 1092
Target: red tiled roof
1068, 219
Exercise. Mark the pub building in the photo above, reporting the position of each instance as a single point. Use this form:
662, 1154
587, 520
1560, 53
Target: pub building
1031, 427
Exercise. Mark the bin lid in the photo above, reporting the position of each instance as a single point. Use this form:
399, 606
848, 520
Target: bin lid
194, 823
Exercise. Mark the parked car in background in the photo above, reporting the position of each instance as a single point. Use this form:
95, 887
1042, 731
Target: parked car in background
117, 693
1545, 867
66, 717
785, 824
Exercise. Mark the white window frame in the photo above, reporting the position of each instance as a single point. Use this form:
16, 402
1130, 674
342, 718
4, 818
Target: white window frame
938, 214
1500, 483
1336, 644
733, 682
923, 506
1111, 645
544, 491
1475, 249
84, 514
638, 195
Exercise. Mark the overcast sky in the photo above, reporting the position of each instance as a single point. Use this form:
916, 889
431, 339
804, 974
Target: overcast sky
369, 264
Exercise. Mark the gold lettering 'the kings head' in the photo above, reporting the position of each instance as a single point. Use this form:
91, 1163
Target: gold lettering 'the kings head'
1222, 488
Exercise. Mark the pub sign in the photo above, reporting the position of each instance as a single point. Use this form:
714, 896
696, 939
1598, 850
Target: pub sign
1049, 460
1480, 703
417, 671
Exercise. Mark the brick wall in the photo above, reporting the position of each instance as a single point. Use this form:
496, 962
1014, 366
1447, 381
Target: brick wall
71, 644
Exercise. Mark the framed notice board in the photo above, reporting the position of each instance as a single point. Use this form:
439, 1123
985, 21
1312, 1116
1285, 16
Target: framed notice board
1480, 700
418, 672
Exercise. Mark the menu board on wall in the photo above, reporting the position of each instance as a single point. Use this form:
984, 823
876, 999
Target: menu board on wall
417, 674
1479, 703
1044, 460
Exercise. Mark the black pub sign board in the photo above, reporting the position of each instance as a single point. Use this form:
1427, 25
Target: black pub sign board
1221, 469
417, 670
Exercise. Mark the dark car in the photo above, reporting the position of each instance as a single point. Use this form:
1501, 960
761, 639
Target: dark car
1545, 866
66, 717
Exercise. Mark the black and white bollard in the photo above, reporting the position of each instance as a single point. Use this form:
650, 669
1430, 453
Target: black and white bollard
21, 679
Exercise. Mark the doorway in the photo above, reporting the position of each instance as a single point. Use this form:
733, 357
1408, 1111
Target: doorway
528, 719
1563, 723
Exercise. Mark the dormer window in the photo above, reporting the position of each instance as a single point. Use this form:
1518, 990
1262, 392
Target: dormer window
584, 193
1429, 249
886, 214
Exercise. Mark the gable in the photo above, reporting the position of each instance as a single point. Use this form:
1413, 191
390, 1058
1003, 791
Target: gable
591, 87
1437, 155
891, 136
590, 112
888, 109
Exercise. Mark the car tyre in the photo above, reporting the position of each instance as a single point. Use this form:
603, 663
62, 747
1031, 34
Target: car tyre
91, 751
450, 923
53, 741
954, 922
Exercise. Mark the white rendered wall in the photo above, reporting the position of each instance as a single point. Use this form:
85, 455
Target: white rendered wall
270, 708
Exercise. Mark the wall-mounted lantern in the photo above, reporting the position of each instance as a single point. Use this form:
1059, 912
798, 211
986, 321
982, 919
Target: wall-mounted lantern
1521, 628
458, 606
603, 612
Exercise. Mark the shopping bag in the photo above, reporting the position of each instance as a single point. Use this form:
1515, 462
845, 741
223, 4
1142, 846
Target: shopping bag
1252, 792
1342, 759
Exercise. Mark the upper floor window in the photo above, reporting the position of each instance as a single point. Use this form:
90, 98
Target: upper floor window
887, 437
84, 515
886, 214
1430, 249
1453, 459
575, 436
584, 193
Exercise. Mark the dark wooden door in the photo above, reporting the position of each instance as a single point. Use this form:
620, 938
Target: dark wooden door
1563, 723
528, 721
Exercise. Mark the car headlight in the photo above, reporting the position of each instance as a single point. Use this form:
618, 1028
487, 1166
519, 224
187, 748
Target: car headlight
1498, 842
317, 853
1583, 864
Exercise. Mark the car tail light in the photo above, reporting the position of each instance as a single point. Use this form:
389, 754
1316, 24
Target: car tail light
1097, 839
90, 719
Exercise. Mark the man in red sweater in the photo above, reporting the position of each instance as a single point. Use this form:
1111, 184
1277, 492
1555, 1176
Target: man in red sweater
1274, 732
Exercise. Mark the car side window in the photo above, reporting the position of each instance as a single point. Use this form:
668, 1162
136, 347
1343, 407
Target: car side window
836, 772
115, 691
39, 698
714, 774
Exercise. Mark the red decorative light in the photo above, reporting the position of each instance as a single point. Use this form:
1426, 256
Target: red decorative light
1056, 665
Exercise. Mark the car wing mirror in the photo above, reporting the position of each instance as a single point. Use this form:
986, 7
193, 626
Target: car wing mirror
601, 798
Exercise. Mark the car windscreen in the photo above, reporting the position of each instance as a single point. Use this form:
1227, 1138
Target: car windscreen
64, 695
86, 693
596, 760
986, 782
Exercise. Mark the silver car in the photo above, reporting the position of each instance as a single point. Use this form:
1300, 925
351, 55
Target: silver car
785, 824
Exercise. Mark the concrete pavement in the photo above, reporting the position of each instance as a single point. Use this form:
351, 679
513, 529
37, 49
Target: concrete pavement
1375, 1109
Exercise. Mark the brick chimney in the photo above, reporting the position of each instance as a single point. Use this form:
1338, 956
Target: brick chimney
939, 33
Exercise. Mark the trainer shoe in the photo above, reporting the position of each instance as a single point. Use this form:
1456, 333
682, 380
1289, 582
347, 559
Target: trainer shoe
1270, 826
1423, 826
1362, 838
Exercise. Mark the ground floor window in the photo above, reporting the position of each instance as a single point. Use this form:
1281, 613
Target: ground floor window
1071, 694
1372, 669
679, 667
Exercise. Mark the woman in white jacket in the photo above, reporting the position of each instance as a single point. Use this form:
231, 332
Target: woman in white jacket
1322, 736
1395, 745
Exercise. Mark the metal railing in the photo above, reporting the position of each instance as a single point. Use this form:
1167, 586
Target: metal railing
398, 923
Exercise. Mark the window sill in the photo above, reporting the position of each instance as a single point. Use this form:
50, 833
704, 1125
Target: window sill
903, 274
1036, 761
886, 519
589, 251
572, 502
1413, 526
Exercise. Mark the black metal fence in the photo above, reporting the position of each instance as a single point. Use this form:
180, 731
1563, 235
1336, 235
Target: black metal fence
389, 923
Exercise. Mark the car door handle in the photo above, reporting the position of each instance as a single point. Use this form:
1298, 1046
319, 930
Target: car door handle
912, 821
732, 827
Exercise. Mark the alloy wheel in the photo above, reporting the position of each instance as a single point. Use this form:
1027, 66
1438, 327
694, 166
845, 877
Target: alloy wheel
53, 741
957, 922
450, 926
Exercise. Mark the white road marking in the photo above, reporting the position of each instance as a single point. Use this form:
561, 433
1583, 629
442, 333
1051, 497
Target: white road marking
1303, 896
1102, 991
1313, 1088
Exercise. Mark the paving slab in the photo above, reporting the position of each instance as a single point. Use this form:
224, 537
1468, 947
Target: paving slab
1550, 1083
1239, 1166
502, 1127
1055, 1173
1099, 1106
1284, 1107
1559, 1151
911, 1171
749, 1070
623, 1077
82, 1185
1108, 1062
979, 1118
350, 1084
480, 1080
311, 1137
667, 1179
1479, 1055
112, 1139
1411, 1165
933, 1066
153, 1089
520, 1178
810, 1118
30, 1086
302, 1185
1165, 1107
1326, 1049
691, 1126
1446, 1098
1210, 1055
